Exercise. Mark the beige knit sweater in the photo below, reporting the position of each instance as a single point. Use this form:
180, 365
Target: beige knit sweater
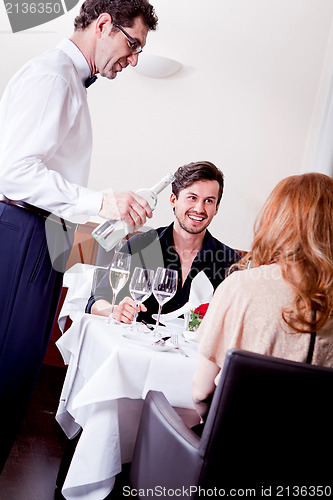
246, 312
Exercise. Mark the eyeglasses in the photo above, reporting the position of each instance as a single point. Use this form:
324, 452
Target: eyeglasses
134, 46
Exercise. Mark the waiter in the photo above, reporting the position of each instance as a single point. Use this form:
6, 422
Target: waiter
45, 149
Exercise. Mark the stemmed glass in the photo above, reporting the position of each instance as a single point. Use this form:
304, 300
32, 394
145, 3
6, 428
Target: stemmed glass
164, 288
141, 287
119, 274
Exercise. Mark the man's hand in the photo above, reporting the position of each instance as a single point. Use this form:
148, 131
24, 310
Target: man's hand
128, 206
125, 311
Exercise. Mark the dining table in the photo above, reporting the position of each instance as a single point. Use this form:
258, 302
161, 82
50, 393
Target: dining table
111, 367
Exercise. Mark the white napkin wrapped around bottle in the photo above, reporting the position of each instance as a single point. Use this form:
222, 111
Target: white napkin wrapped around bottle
201, 292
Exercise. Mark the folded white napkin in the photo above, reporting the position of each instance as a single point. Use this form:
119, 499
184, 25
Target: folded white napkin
78, 280
201, 292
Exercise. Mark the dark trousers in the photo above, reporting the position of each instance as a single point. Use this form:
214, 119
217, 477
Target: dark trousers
31, 270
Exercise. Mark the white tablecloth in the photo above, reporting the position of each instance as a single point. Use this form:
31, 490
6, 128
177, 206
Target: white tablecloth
78, 279
108, 377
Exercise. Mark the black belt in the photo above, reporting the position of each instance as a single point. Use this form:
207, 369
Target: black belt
40, 212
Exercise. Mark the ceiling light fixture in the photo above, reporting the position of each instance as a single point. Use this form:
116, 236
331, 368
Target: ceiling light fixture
157, 66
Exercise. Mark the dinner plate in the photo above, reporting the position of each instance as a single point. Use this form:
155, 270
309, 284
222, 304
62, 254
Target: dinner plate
147, 341
190, 337
176, 324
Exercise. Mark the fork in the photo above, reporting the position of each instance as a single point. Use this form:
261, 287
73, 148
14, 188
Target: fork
174, 341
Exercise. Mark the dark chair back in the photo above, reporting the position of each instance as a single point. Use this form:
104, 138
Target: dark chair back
269, 423
268, 428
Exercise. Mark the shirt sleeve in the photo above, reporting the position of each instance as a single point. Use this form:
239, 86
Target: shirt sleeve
103, 292
38, 116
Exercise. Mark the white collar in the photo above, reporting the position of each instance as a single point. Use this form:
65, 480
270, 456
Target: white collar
77, 57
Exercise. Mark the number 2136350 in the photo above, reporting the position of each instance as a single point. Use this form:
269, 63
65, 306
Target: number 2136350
302, 491
33, 8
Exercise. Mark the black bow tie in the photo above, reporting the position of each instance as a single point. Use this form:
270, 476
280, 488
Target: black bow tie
89, 81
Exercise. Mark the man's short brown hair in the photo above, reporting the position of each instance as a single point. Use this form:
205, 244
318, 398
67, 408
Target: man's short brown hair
122, 12
186, 175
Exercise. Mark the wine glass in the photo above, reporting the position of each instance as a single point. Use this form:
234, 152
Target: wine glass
164, 288
119, 274
141, 287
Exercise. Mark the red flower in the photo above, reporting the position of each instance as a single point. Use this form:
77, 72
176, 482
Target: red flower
201, 310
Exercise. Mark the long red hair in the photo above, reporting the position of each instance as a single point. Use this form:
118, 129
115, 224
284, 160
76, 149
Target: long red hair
295, 229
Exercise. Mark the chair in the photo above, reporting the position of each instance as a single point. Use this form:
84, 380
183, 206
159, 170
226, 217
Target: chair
269, 426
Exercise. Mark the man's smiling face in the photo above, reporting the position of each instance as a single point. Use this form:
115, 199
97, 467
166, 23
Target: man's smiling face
196, 206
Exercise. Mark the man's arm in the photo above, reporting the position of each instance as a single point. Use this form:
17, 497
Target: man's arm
124, 312
36, 120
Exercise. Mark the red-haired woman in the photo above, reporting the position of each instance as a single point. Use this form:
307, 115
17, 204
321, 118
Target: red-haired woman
284, 289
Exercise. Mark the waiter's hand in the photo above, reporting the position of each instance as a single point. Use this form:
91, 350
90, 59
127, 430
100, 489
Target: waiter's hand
128, 206
125, 311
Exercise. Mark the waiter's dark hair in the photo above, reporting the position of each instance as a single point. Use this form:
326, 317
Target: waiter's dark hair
123, 12
186, 175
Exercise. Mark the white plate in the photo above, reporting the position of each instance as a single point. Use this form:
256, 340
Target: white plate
147, 341
176, 324
190, 337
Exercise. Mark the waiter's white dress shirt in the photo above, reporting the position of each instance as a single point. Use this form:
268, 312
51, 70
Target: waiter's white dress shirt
46, 137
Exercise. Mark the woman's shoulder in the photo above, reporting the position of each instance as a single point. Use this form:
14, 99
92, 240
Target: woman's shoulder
266, 273
263, 279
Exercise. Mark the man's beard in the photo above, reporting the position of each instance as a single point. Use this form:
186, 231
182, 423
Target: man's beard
183, 225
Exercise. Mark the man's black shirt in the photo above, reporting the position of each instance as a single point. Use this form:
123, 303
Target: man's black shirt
155, 249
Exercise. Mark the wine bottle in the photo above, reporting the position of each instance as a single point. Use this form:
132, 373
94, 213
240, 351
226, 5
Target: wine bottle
110, 232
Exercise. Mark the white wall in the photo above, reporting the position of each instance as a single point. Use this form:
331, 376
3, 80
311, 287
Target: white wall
250, 98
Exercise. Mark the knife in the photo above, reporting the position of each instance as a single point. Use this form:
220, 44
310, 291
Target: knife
146, 324
161, 340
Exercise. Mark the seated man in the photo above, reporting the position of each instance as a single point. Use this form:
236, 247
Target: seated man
186, 245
